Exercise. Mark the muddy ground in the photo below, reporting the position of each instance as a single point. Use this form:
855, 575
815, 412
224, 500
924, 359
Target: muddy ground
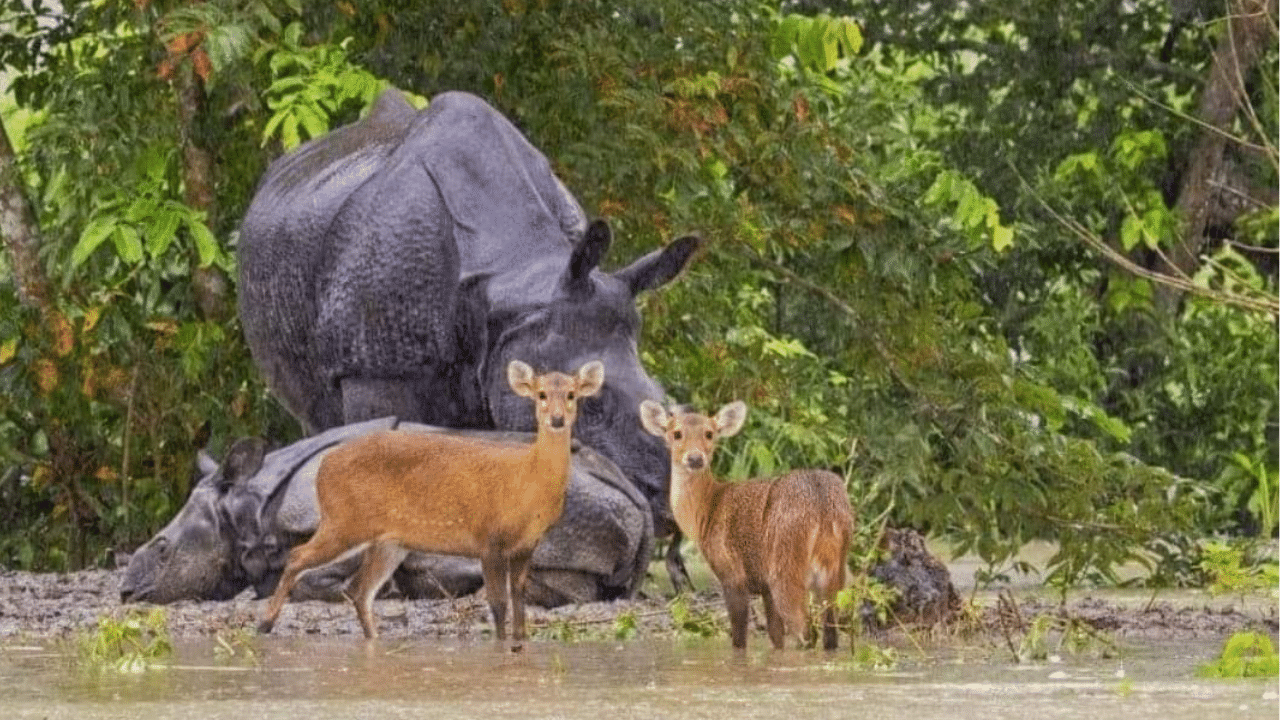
36, 606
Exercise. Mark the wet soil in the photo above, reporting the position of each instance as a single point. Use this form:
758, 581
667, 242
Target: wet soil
49, 605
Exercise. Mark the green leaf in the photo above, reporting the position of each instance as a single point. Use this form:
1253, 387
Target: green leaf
1002, 238
852, 36
1130, 232
206, 244
97, 231
161, 230
128, 244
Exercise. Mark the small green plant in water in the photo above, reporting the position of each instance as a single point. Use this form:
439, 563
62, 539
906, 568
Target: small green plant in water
235, 644
870, 656
1229, 569
692, 622
1071, 635
562, 630
1245, 655
135, 642
625, 626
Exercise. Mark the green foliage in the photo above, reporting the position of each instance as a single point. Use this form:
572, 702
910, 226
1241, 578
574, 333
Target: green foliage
689, 620
106, 396
236, 644
865, 656
143, 221
131, 643
977, 215
310, 86
1054, 635
1239, 567
625, 625
1244, 655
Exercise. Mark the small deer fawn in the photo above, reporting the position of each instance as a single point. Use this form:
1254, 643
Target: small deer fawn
395, 491
778, 538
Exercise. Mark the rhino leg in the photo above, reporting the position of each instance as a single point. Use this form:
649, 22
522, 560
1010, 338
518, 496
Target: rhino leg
422, 576
552, 588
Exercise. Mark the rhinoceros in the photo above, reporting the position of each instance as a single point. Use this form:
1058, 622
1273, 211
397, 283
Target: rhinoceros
244, 515
396, 265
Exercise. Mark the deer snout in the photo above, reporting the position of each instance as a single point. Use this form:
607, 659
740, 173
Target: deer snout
695, 461
557, 421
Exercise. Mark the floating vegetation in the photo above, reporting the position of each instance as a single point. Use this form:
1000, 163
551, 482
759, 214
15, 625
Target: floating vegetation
1245, 655
236, 644
1049, 634
693, 621
133, 642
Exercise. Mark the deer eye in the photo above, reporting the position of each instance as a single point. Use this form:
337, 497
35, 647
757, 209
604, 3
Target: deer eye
710, 434
677, 435
542, 395
570, 394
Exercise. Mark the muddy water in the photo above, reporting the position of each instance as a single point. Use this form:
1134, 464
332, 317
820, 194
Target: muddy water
323, 678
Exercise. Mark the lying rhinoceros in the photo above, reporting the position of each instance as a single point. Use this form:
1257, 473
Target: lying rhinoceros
244, 515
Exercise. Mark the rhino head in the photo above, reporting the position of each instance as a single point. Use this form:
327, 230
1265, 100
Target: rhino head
194, 555
556, 316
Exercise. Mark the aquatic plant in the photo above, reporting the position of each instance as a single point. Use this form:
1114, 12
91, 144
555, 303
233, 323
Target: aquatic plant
1244, 655
1238, 567
1050, 634
625, 625
691, 621
235, 644
133, 642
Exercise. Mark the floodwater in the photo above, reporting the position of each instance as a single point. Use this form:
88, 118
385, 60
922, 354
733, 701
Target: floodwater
343, 677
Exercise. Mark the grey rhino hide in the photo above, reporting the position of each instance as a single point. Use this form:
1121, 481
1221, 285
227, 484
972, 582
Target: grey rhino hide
396, 265
598, 550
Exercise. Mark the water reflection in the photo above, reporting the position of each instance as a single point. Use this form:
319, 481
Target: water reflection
322, 678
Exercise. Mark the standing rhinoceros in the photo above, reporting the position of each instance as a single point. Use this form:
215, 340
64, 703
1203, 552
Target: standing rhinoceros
243, 517
396, 265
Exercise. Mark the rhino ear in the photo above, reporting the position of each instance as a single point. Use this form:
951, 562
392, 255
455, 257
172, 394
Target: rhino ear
660, 266
205, 464
243, 461
586, 257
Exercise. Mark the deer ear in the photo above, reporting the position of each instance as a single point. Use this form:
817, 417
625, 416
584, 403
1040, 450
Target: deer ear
520, 377
654, 418
590, 378
730, 418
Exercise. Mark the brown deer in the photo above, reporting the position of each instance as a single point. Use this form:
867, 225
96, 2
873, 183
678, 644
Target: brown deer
392, 492
779, 538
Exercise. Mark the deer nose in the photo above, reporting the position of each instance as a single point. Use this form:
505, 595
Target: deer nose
557, 421
695, 461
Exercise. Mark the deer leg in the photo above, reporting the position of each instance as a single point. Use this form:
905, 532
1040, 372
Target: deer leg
789, 600
675, 565
495, 569
519, 569
773, 621
323, 547
736, 600
830, 630
380, 560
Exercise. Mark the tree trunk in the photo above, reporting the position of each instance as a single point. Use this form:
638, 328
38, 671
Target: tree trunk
21, 231
1238, 51
209, 284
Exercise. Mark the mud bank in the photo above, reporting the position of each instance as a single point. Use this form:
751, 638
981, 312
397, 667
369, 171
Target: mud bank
49, 605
